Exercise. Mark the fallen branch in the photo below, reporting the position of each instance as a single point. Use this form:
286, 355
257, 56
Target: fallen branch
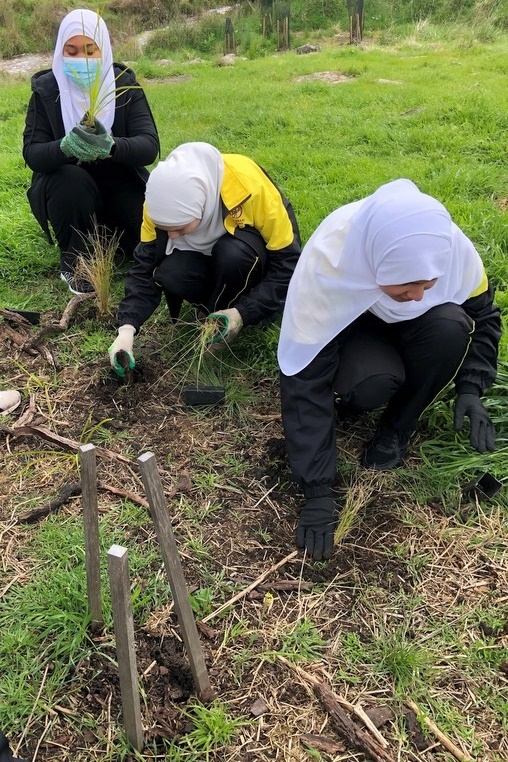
65, 494
71, 490
250, 587
462, 756
18, 340
68, 444
136, 499
64, 321
375, 746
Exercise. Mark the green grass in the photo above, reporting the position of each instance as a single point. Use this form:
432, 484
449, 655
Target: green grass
408, 600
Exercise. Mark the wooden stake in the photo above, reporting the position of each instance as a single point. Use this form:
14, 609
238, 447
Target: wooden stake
118, 565
88, 465
462, 756
169, 550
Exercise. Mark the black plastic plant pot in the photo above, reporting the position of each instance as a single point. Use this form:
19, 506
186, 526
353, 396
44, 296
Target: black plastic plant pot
485, 487
198, 396
33, 317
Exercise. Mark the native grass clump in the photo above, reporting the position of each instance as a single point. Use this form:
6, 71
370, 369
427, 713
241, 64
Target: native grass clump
96, 264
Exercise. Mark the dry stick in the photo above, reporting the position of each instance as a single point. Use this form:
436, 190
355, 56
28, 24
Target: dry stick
374, 746
286, 585
118, 565
88, 463
169, 550
126, 494
65, 494
69, 444
254, 584
463, 756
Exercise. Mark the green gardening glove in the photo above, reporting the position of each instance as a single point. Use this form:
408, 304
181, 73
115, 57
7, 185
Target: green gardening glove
231, 324
87, 144
120, 352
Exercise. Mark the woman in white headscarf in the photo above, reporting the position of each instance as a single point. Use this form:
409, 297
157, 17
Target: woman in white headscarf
80, 175
217, 233
389, 303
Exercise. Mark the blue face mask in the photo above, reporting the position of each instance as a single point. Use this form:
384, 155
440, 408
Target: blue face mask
82, 71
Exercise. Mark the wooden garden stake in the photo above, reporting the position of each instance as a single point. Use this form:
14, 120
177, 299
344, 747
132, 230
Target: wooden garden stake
88, 465
169, 550
118, 565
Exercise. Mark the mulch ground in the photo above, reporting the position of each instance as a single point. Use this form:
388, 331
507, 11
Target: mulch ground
234, 475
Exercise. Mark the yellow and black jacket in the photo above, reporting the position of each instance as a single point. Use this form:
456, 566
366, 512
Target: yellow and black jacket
250, 202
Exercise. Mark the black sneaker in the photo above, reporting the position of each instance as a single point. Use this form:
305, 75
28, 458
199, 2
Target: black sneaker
76, 286
387, 448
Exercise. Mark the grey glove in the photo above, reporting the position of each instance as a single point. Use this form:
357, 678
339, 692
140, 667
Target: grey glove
87, 144
316, 527
482, 433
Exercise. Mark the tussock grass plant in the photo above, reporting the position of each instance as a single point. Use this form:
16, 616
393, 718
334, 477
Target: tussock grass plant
97, 264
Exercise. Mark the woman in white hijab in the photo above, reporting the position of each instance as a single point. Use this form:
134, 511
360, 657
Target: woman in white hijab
217, 233
80, 175
389, 302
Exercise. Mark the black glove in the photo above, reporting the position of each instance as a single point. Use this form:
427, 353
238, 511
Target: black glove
316, 527
482, 434
5, 752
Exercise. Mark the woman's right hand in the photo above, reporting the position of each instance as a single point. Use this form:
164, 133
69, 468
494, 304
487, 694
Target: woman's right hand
124, 342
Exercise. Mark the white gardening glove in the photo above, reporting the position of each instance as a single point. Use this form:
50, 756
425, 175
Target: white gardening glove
9, 401
232, 324
124, 342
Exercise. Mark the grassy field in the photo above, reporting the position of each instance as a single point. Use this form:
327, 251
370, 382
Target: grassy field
414, 603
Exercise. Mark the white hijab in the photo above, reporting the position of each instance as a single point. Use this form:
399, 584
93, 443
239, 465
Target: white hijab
184, 187
395, 236
74, 101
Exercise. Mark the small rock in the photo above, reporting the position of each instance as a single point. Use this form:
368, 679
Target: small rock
307, 49
228, 60
258, 708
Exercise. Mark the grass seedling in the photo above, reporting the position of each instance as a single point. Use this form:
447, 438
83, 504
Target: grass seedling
213, 729
96, 265
357, 497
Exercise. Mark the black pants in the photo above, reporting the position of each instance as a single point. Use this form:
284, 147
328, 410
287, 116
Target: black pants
74, 197
212, 282
401, 365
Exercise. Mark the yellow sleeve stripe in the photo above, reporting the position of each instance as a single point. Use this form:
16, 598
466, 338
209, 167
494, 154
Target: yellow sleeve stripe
147, 228
484, 284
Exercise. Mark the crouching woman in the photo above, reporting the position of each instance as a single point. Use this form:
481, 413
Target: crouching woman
388, 304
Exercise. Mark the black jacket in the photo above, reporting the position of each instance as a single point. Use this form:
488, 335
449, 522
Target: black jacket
134, 130
478, 371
